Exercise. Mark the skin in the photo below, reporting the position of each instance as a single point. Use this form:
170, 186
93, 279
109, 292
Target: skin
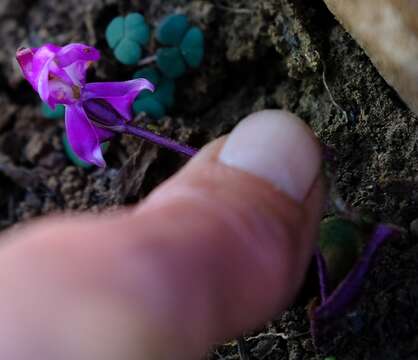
211, 253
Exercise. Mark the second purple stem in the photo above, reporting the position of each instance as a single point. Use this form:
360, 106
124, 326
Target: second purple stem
159, 140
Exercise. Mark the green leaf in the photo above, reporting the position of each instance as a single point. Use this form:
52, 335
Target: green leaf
58, 113
171, 63
165, 92
128, 52
115, 31
192, 47
136, 29
171, 30
149, 73
150, 106
125, 35
340, 243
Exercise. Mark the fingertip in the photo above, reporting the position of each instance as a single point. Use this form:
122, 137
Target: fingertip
278, 147
254, 198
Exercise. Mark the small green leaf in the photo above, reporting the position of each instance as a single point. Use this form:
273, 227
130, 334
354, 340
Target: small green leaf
340, 243
171, 63
149, 73
128, 52
144, 94
192, 47
150, 106
105, 146
165, 92
125, 35
115, 31
58, 113
171, 30
136, 29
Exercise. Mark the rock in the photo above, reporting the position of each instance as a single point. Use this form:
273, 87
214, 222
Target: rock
388, 32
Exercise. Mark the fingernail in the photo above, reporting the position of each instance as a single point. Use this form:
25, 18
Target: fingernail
278, 147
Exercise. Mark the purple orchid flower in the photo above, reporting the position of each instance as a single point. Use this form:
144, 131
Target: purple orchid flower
94, 111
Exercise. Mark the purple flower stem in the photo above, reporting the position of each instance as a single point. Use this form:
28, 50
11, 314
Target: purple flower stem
336, 303
159, 140
322, 275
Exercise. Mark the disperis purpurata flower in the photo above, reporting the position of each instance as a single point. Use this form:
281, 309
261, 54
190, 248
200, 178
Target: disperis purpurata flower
94, 111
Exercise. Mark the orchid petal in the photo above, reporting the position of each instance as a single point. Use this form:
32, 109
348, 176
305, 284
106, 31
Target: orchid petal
120, 95
39, 78
43, 58
25, 59
103, 134
60, 93
77, 52
75, 59
53, 89
77, 72
35, 64
43, 85
59, 73
82, 136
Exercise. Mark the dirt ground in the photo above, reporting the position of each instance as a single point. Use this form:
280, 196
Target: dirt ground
288, 54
